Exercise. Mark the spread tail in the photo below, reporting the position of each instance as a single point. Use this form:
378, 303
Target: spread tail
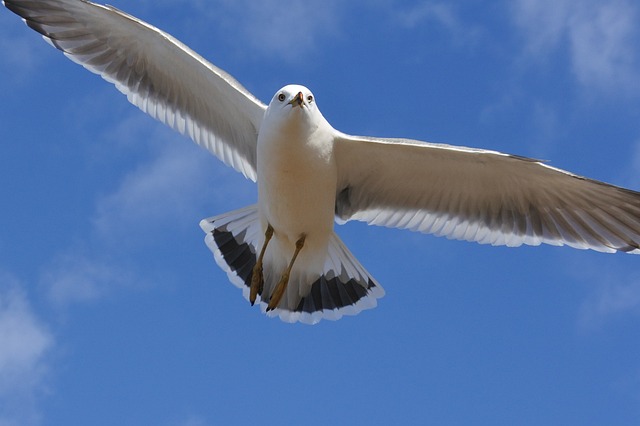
343, 287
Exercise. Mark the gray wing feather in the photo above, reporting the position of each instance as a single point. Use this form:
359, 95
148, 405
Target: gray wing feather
479, 195
159, 74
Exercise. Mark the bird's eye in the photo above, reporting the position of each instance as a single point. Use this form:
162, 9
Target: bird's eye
281, 97
310, 98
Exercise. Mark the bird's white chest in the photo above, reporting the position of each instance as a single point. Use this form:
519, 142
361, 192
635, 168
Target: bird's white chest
297, 180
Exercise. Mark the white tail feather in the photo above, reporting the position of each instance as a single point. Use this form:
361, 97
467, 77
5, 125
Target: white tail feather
343, 287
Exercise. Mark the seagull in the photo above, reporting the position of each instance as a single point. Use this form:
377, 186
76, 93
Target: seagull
283, 251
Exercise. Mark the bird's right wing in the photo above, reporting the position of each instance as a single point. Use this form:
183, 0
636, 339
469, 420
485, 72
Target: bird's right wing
159, 74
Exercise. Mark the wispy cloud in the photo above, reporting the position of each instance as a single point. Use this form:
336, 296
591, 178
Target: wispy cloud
443, 14
165, 188
605, 45
287, 29
601, 39
172, 185
193, 420
25, 343
76, 278
19, 51
542, 22
613, 299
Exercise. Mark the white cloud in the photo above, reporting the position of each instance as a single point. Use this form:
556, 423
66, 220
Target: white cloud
162, 188
193, 421
20, 50
600, 38
426, 11
275, 27
172, 187
612, 299
542, 21
443, 14
18, 54
605, 42
73, 278
25, 343
155, 195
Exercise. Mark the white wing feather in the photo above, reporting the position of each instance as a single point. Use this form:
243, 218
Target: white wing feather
479, 195
159, 74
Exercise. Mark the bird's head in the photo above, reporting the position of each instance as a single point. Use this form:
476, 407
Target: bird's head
291, 97
293, 109
294, 105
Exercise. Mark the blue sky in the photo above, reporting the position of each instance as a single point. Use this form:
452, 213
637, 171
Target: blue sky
112, 310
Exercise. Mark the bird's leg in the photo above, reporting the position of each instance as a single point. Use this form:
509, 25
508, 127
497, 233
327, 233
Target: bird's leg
257, 278
276, 296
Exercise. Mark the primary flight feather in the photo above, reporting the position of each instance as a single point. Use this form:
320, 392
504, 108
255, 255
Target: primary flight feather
283, 251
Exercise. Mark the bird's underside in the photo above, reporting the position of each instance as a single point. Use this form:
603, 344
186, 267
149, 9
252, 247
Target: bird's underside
283, 252
341, 287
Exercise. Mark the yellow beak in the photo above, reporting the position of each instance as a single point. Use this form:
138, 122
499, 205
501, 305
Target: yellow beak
298, 100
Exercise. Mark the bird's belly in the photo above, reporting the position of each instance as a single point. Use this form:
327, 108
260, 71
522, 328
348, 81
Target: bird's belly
298, 202
296, 193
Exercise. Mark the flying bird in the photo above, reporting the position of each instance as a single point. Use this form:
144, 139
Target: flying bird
283, 251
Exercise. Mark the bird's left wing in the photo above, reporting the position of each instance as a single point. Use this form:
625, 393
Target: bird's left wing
159, 74
479, 195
